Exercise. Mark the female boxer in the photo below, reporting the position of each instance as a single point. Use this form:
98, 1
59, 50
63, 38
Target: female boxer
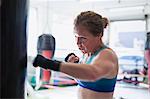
96, 73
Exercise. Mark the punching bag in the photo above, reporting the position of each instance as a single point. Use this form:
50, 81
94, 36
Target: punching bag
13, 47
147, 54
46, 48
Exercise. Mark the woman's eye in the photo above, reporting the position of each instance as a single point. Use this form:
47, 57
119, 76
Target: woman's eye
83, 39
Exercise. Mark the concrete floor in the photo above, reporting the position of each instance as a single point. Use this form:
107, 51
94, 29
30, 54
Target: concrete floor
122, 91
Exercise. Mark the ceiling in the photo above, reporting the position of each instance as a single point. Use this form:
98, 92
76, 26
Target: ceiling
114, 9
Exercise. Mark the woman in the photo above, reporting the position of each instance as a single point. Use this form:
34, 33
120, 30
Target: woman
97, 71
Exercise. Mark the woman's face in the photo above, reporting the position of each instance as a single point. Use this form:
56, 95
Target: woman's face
86, 42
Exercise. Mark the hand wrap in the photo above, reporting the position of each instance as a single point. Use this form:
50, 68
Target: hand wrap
46, 63
67, 57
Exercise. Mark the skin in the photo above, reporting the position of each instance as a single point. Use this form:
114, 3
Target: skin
104, 65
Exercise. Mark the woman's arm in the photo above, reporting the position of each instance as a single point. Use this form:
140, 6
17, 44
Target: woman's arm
102, 65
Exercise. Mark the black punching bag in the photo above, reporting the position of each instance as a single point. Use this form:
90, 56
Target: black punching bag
14, 52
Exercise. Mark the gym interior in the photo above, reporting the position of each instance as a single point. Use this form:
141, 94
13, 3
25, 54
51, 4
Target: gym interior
126, 34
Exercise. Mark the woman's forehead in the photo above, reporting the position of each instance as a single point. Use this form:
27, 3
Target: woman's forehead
81, 32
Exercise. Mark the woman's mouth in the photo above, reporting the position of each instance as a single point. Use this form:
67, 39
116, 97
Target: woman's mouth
82, 50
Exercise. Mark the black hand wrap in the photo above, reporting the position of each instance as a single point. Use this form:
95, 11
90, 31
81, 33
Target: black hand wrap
46, 63
67, 57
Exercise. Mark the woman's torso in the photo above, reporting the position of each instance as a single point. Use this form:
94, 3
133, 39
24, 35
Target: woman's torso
85, 93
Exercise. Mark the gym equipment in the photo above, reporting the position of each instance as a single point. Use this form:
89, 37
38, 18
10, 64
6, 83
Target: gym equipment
14, 49
59, 82
46, 63
147, 44
46, 42
46, 48
66, 59
147, 53
132, 78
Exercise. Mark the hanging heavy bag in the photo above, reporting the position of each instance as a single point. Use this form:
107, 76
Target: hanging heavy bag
46, 48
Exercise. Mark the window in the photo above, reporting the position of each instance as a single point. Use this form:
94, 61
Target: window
128, 37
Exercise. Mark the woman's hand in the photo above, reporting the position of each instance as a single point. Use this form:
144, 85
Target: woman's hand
72, 58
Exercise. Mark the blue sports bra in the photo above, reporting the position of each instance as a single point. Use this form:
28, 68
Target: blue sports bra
101, 85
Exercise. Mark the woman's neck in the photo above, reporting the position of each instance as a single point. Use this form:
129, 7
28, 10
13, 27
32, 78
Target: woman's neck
97, 48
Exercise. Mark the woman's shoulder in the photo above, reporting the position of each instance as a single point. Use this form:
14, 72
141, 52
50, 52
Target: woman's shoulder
108, 50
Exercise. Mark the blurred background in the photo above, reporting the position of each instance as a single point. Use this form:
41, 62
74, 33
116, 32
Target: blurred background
129, 21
